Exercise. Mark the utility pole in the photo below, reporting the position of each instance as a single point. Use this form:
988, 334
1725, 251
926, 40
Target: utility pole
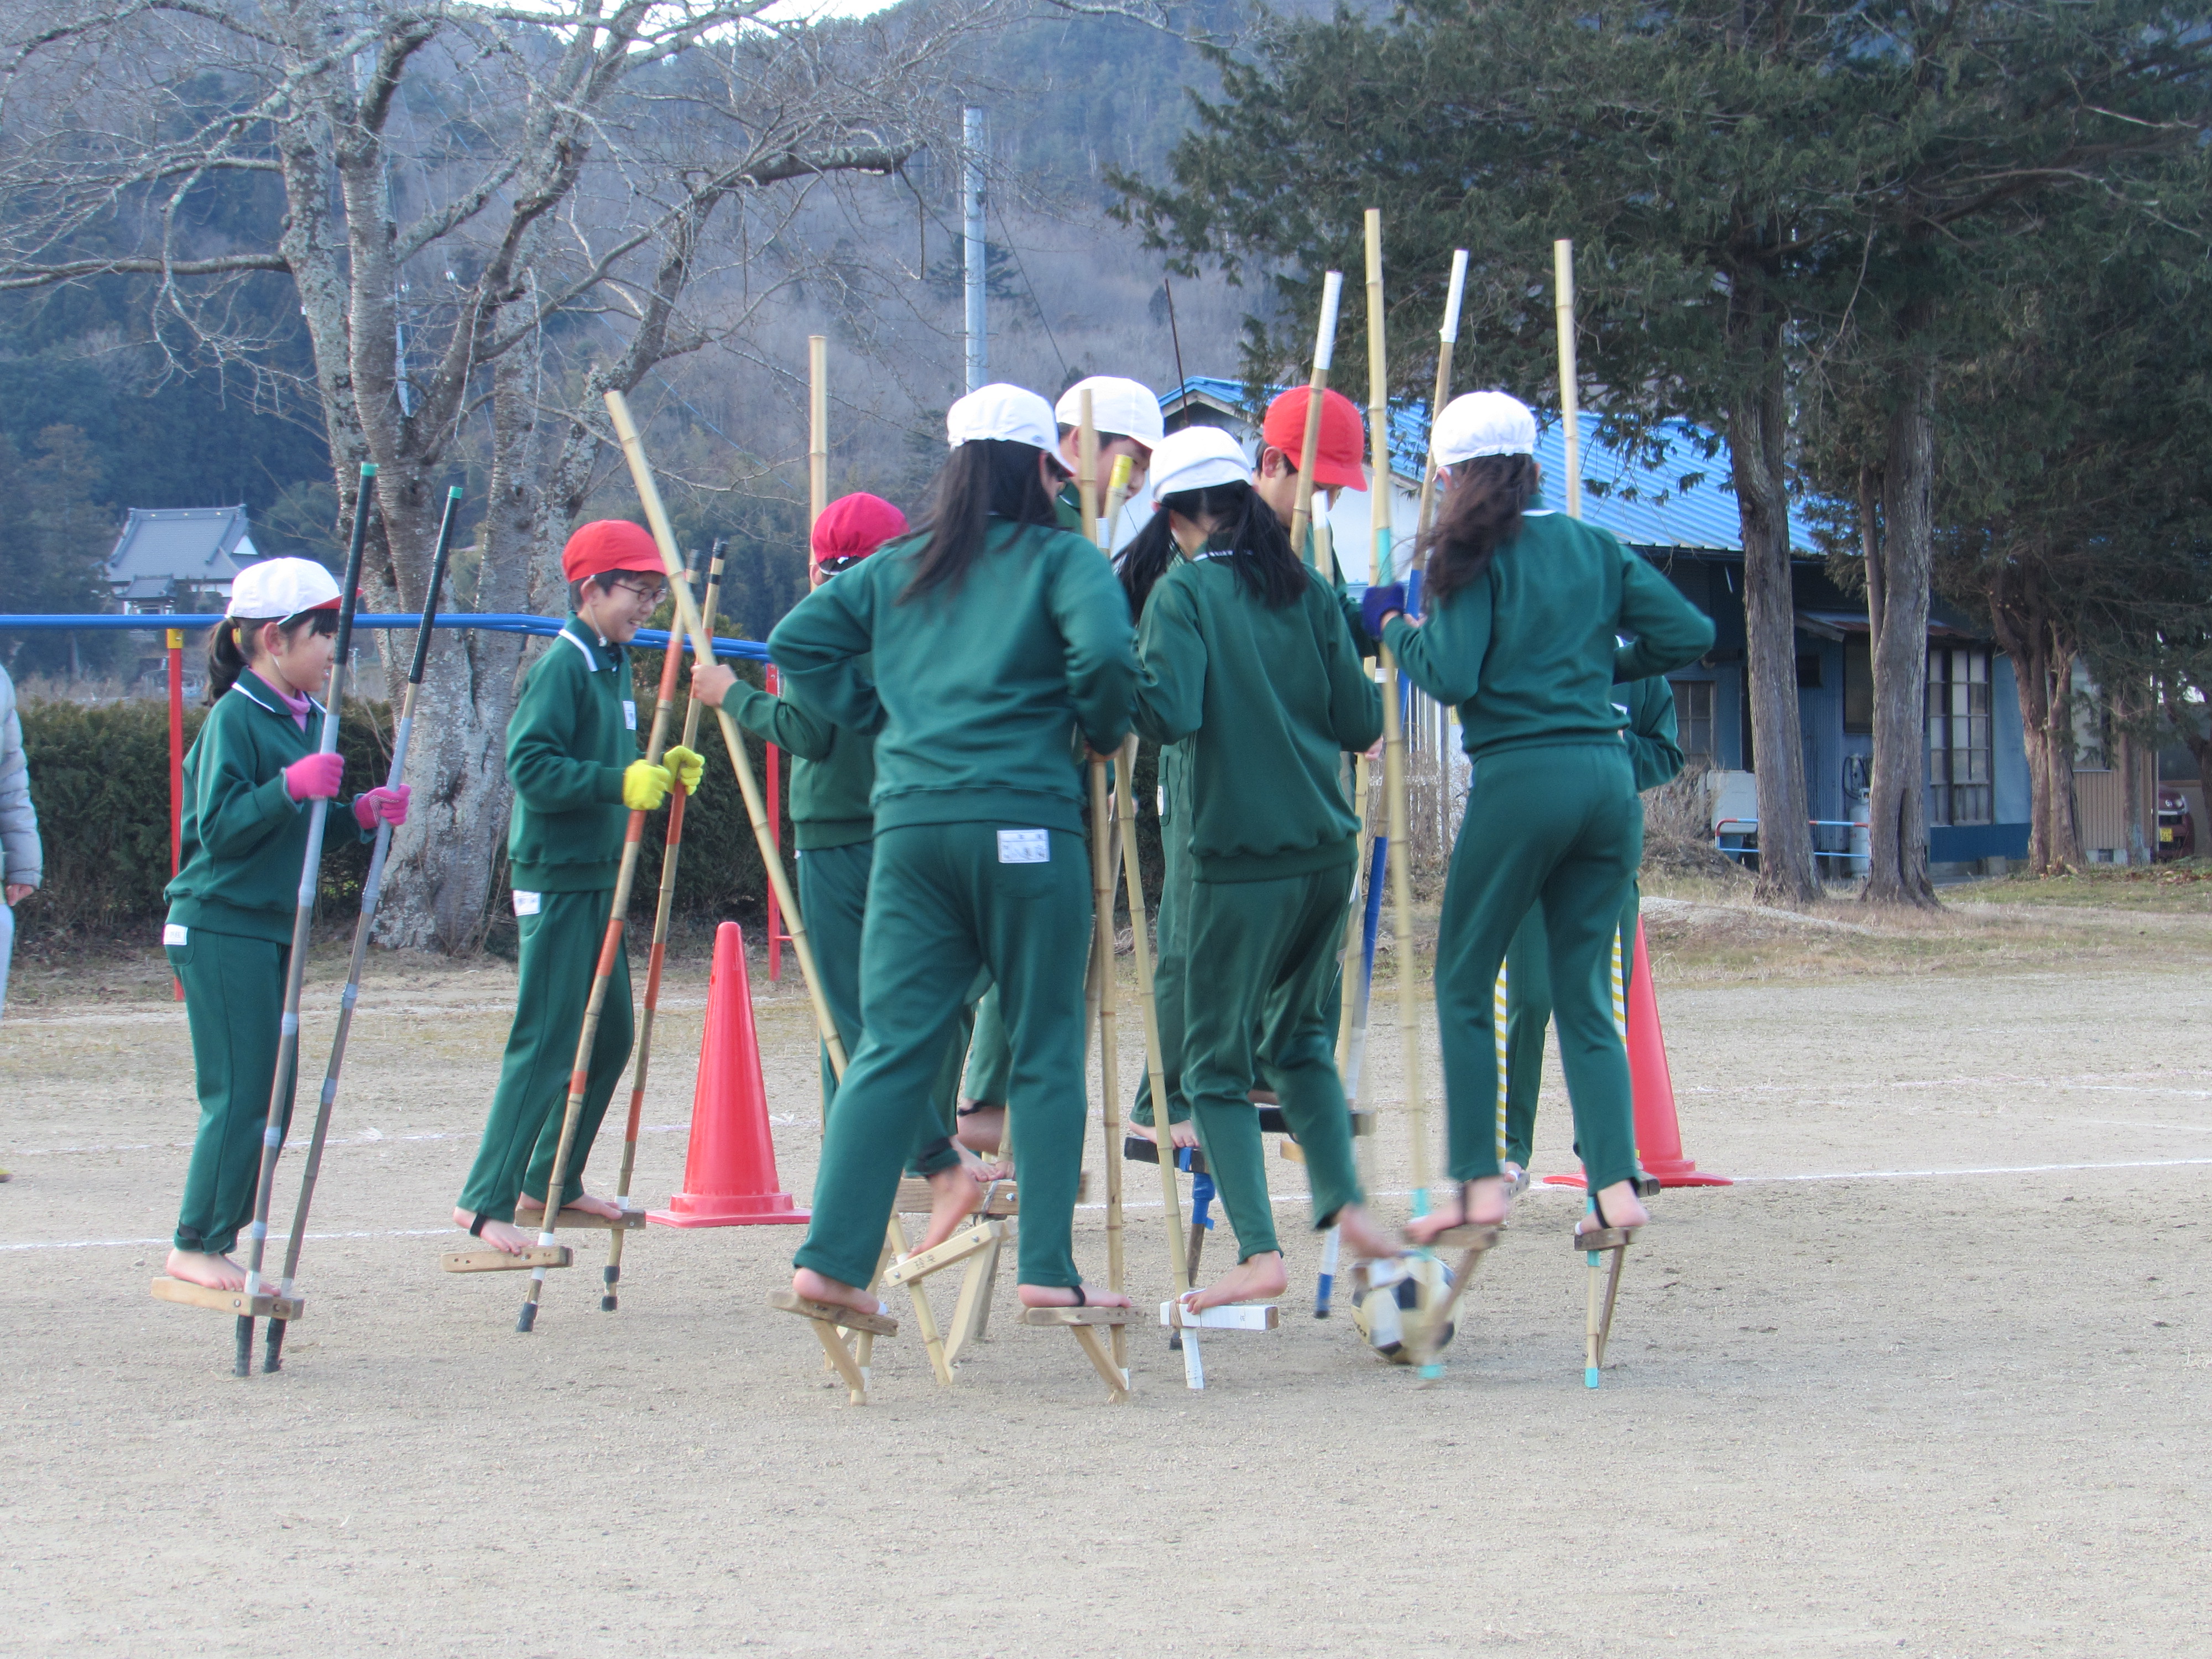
971, 201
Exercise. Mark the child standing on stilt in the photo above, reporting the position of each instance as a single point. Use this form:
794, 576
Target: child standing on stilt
233, 902
1521, 635
1245, 657
995, 638
572, 755
833, 776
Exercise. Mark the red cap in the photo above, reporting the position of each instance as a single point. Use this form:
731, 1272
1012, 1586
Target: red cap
1343, 436
606, 545
852, 526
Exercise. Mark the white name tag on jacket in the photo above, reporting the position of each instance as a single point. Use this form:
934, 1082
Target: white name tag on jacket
526, 904
1024, 847
173, 934
629, 714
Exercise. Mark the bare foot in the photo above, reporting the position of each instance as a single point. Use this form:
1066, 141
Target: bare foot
1255, 1278
534, 1208
1362, 1236
217, 1273
1486, 1207
979, 1171
1060, 1296
981, 1127
1622, 1208
835, 1291
1516, 1179
1179, 1134
953, 1197
499, 1235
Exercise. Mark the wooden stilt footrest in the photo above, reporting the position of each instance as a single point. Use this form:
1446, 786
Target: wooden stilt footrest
532, 1221
955, 1250
1236, 1316
1606, 1238
1085, 1323
829, 1313
264, 1306
499, 1261
1467, 1238
1078, 1315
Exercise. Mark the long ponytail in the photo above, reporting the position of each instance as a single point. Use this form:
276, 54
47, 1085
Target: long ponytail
1481, 513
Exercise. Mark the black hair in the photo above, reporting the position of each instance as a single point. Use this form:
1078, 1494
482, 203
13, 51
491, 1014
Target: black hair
226, 655
983, 479
1249, 538
1481, 513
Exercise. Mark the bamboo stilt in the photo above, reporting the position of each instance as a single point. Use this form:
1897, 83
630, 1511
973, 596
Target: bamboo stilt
372, 893
1563, 309
817, 427
671, 853
1331, 293
1447, 339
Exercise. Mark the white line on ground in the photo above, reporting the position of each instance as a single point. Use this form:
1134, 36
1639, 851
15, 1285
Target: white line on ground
1291, 1198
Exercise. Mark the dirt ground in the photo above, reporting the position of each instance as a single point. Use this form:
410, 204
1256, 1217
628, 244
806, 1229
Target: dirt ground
1934, 1377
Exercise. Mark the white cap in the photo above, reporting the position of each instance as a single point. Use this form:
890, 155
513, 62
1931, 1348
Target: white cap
1195, 457
1119, 409
1483, 423
1000, 410
282, 588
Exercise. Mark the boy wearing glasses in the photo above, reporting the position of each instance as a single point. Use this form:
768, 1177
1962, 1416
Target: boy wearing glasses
572, 755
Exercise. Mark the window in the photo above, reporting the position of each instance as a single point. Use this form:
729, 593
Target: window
1858, 685
1958, 735
1693, 718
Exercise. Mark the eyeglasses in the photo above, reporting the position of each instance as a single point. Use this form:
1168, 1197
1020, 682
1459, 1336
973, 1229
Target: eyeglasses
653, 595
836, 562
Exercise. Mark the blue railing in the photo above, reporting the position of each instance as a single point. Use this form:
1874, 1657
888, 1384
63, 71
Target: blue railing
488, 622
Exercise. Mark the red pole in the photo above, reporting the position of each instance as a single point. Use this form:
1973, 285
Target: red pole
775, 824
175, 640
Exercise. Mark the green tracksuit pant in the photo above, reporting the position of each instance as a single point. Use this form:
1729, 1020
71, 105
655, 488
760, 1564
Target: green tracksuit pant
1256, 1008
1561, 824
1528, 1011
990, 1054
1170, 975
233, 1003
833, 902
941, 905
560, 952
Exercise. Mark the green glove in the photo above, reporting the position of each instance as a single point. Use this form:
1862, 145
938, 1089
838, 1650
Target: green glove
688, 766
645, 785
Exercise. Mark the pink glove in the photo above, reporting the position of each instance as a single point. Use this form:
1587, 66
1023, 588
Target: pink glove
315, 778
386, 804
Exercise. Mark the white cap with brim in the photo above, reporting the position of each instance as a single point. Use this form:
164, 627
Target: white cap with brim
1006, 412
1119, 409
282, 588
1483, 423
1193, 458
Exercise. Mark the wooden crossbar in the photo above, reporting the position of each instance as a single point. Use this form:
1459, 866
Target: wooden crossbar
955, 1250
499, 1261
266, 1305
576, 1217
1233, 1317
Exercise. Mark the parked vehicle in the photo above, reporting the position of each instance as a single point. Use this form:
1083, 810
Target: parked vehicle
2177, 827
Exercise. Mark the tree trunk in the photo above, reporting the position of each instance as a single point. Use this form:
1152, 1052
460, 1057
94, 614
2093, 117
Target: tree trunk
1758, 432
1897, 807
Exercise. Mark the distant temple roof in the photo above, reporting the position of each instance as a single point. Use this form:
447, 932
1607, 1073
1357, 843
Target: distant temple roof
1684, 501
199, 548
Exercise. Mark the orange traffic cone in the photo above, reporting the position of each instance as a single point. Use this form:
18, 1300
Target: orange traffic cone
729, 1174
1658, 1132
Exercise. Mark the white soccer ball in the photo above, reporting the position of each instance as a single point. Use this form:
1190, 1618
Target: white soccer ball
1386, 1301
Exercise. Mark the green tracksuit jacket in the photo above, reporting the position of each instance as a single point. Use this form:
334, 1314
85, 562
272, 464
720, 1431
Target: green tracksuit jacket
974, 693
228, 938
1529, 653
1267, 702
574, 733
1655, 756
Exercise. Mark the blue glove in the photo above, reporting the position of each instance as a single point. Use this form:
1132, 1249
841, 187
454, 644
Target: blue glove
1376, 602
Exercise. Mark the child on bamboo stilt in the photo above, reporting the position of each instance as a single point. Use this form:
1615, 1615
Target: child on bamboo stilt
250, 772
1655, 756
993, 636
833, 775
1125, 417
572, 755
1523, 616
1245, 656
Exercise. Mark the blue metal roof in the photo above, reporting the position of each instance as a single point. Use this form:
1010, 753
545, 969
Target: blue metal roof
1684, 501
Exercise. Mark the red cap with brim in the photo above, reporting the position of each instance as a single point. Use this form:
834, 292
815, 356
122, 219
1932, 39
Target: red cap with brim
607, 544
854, 526
1343, 436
